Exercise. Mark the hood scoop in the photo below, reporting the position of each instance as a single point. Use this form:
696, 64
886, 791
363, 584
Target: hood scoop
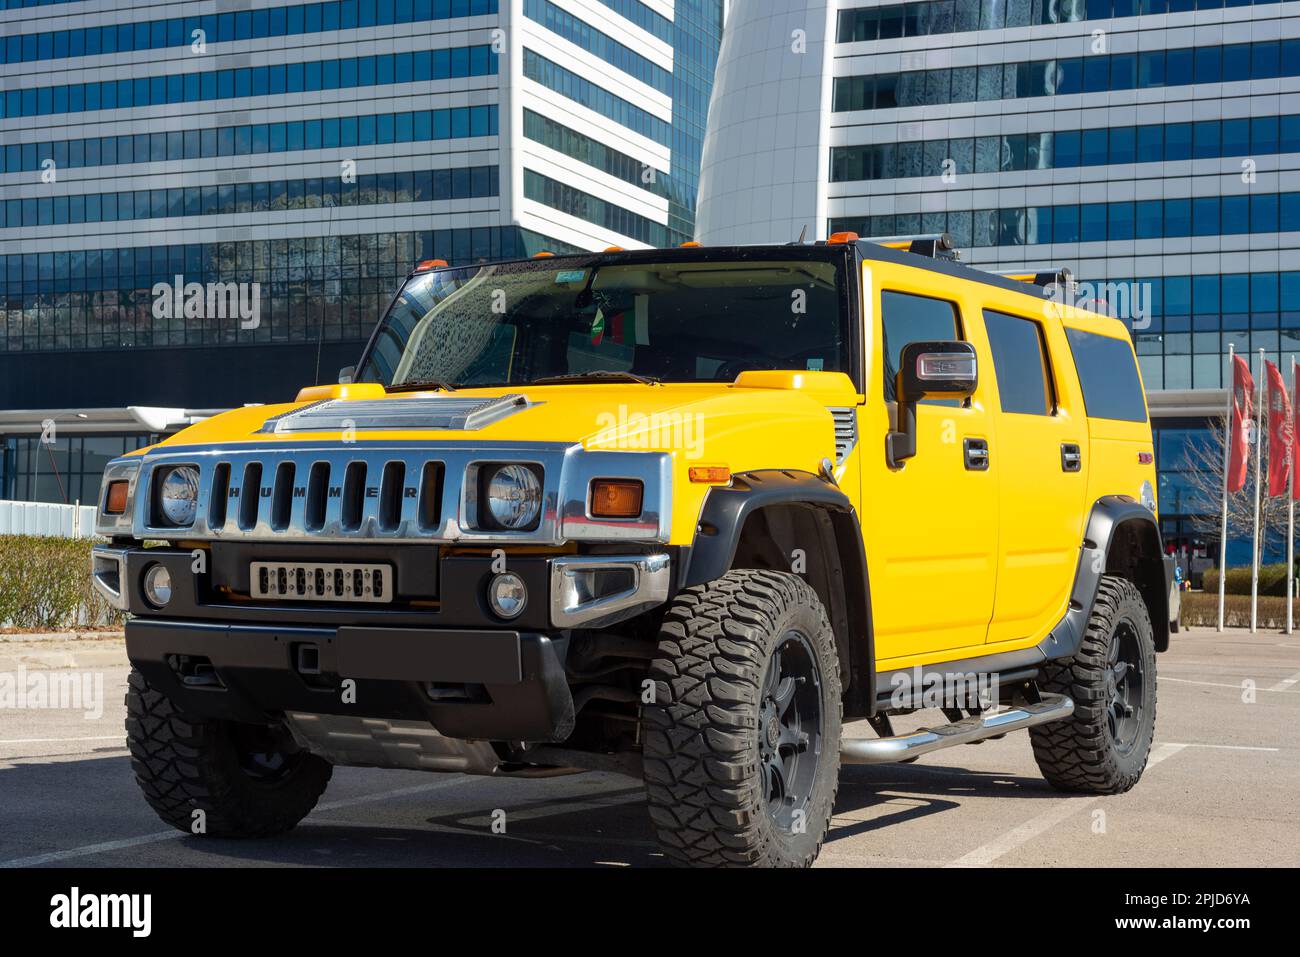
441, 413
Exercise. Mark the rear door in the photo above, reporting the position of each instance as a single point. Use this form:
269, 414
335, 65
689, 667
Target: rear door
1042, 448
930, 527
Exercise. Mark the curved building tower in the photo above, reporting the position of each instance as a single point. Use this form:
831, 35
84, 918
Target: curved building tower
1152, 146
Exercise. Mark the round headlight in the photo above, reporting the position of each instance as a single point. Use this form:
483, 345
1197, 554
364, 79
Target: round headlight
507, 595
514, 496
179, 495
157, 585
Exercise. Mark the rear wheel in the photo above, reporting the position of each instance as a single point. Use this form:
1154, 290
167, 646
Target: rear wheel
741, 746
1103, 747
245, 780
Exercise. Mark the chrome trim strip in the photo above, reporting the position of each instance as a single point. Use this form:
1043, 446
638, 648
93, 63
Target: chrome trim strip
430, 413
904, 747
108, 574
573, 605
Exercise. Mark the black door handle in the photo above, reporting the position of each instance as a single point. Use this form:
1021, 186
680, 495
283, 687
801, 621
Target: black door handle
1071, 457
977, 455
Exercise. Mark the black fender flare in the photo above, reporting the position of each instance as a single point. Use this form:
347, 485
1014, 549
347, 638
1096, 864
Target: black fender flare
1117, 524
721, 525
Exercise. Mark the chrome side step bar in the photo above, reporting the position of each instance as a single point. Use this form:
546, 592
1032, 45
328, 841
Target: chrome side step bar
902, 747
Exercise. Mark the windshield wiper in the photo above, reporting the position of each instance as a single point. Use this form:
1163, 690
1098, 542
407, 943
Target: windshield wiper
596, 375
421, 385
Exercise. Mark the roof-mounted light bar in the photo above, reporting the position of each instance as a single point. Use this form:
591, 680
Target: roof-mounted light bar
934, 245
1050, 277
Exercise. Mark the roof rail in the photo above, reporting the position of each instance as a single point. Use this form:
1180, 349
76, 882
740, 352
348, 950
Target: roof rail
1053, 277
934, 245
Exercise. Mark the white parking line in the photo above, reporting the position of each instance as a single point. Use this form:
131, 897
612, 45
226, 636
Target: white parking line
1000, 846
1286, 684
86, 850
101, 737
1219, 684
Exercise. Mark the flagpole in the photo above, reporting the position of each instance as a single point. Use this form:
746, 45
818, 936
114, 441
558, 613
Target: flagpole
1227, 452
1259, 455
1290, 512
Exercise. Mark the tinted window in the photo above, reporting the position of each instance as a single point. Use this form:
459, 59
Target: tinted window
1020, 363
906, 318
1108, 374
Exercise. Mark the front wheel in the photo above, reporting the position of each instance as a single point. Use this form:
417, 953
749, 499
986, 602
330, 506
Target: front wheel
741, 746
217, 778
1103, 747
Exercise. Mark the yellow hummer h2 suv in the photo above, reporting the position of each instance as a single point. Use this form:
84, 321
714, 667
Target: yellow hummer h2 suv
674, 513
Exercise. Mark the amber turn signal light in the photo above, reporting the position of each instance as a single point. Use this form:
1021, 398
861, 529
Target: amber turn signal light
115, 501
615, 498
718, 474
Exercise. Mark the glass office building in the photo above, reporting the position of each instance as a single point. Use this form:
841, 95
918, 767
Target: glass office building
1154, 144
291, 162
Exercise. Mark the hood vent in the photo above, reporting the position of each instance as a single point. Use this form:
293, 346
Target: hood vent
846, 431
440, 413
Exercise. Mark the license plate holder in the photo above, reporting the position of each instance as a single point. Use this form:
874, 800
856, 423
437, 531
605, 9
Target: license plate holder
322, 581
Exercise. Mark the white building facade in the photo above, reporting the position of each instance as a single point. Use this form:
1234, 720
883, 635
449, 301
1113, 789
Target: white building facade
309, 154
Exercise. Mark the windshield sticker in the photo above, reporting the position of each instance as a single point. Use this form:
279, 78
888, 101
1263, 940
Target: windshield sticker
570, 276
598, 327
814, 365
641, 319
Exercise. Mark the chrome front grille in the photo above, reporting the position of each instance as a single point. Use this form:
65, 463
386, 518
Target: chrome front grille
846, 431
403, 491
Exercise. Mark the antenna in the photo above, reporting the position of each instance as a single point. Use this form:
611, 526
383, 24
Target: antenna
803, 233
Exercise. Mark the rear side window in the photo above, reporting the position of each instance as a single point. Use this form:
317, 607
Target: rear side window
1108, 374
1020, 362
906, 318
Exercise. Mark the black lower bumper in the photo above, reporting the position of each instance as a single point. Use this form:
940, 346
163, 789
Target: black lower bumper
488, 685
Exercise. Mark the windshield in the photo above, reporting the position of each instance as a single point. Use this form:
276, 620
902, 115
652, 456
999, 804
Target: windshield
683, 321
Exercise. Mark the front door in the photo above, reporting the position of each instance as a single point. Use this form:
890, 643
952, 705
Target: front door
930, 527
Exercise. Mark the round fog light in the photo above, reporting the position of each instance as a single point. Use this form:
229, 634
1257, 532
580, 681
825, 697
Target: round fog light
157, 585
507, 595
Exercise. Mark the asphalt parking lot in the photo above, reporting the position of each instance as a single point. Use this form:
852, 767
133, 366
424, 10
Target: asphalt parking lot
1220, 791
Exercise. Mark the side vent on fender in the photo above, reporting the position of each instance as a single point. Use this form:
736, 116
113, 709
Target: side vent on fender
846, 431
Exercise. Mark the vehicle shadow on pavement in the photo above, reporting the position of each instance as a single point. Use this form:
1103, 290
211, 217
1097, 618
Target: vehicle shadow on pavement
918, 791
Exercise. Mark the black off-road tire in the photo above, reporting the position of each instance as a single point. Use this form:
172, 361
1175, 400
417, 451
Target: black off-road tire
1082, 753
707, 782
183, 764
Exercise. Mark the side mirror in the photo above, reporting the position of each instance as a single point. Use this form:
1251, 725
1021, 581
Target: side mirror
346, 374
928, 370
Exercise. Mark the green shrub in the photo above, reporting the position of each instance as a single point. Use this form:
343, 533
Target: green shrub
1272, 581
45, 584
1201, 610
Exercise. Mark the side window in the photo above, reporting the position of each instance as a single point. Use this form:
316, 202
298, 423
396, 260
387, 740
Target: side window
1020, 362
907, 318
1108, 374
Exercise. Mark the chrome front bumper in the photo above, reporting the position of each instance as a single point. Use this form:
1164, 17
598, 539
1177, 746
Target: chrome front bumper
592, 590
585, 591
107, 573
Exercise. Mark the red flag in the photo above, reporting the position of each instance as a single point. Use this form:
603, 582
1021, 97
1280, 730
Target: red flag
1243, 397
1280, 426
1295, 448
